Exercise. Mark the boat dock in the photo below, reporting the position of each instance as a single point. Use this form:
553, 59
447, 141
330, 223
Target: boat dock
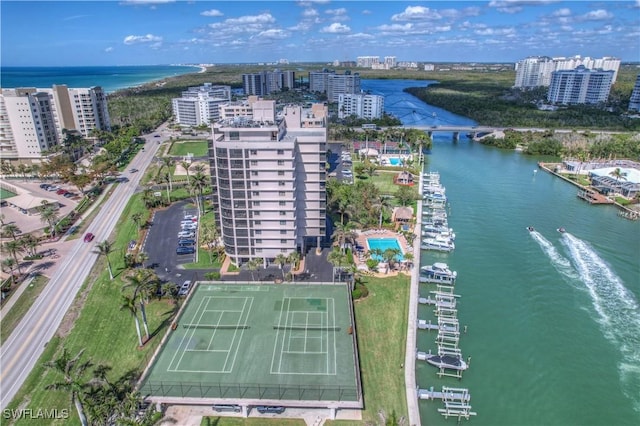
593, 197
456, 401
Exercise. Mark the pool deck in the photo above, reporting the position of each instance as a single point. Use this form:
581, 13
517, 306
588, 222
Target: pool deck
362, 237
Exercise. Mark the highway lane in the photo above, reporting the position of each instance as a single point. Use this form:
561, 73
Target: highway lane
22, 349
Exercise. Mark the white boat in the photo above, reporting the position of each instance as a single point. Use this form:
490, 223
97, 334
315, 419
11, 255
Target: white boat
438, 244
452, 362
437, 273
443, 233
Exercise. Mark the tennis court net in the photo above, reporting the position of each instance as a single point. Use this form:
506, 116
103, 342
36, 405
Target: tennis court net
305, 327
216, 326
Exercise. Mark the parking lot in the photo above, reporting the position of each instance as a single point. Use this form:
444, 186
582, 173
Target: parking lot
162, 242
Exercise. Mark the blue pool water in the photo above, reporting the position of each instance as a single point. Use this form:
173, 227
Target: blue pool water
394, 161
384, 244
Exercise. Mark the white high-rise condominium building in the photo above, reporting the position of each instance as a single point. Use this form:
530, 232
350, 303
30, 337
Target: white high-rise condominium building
268, 175
342, 84
535, 71
200, 105
634, 102
390, 61
363, 106
32, 120
367, 61
266, 82
580, 86
319, 80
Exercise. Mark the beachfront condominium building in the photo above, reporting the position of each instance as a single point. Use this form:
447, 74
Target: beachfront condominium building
268, 175
200, 105
634, 101
361, 105
334, 85
535, 71
342, 84
580, 86
33, 120
266, 82
367, 61
319, 80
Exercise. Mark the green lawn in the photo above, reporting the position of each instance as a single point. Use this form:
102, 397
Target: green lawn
21, 306
198, 148
106, 332
381, 326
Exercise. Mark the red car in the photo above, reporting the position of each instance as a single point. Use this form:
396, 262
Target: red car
61, 191
88, 237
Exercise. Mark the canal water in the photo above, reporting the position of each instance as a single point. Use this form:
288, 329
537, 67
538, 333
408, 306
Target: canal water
553, 320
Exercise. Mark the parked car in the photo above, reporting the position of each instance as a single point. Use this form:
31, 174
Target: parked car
186, 234
263, 409
184, 288
52, 188
186, 241
61, 191
44, 185
189, 227
133, 170
68, 194
185, 250
227, 408
88, 237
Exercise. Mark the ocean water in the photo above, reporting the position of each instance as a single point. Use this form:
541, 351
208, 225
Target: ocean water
553, 320
109, 78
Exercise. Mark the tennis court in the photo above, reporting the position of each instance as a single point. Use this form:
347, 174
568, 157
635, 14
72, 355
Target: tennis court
259, 341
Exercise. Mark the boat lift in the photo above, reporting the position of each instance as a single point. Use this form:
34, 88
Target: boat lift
456, 401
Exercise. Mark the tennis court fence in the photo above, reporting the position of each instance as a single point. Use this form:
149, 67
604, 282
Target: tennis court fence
250, 391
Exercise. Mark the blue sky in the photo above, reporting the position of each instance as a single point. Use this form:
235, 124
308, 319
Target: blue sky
145, 32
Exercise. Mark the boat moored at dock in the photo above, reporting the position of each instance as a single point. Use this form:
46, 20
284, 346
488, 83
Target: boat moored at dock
438, 273
437, 243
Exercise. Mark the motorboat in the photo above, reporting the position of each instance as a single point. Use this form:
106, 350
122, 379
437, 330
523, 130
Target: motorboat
443, 233
439, 272
530, 228
561, 230
447, 361
437, 243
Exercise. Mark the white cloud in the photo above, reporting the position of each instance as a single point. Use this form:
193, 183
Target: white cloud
336, 28
108, 49
264, 18
149, 38
597, 15
340, 11
273, 34
212, 12
416, 13
309, 13
515, 6
562, 12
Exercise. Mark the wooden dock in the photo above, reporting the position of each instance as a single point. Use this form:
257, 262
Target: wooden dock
593, 197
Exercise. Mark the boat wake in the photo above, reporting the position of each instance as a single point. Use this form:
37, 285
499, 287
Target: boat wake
618, 310
561, 263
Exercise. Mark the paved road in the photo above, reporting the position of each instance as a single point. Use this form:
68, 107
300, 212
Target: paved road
21, 350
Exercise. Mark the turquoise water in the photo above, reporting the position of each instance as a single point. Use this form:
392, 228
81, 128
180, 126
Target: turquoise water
553, 319
394, 161
109, 78
384, 244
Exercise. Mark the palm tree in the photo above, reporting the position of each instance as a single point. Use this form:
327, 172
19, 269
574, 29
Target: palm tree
129, 303
14, 247
337, 258
143, 283
390, 256
30, 244
72, 371
253, 265
383, 203
280, 260
49, 216
8, 264
198, 182
293, 259
10, 230
137, 219
104, 249
141, 258
186, 165
167, 178
618, 174
168, 163
342, 234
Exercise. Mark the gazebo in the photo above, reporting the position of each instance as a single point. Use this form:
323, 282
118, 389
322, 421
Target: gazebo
402, 215
403, 178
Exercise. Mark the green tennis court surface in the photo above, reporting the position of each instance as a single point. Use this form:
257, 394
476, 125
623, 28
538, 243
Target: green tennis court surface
259, 341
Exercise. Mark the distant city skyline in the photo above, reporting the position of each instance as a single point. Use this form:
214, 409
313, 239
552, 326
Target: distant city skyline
147, 32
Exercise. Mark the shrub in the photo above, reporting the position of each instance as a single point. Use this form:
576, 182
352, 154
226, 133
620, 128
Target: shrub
212, 275
361, 291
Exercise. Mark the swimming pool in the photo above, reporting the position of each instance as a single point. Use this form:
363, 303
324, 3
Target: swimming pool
395, 161
384, 244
